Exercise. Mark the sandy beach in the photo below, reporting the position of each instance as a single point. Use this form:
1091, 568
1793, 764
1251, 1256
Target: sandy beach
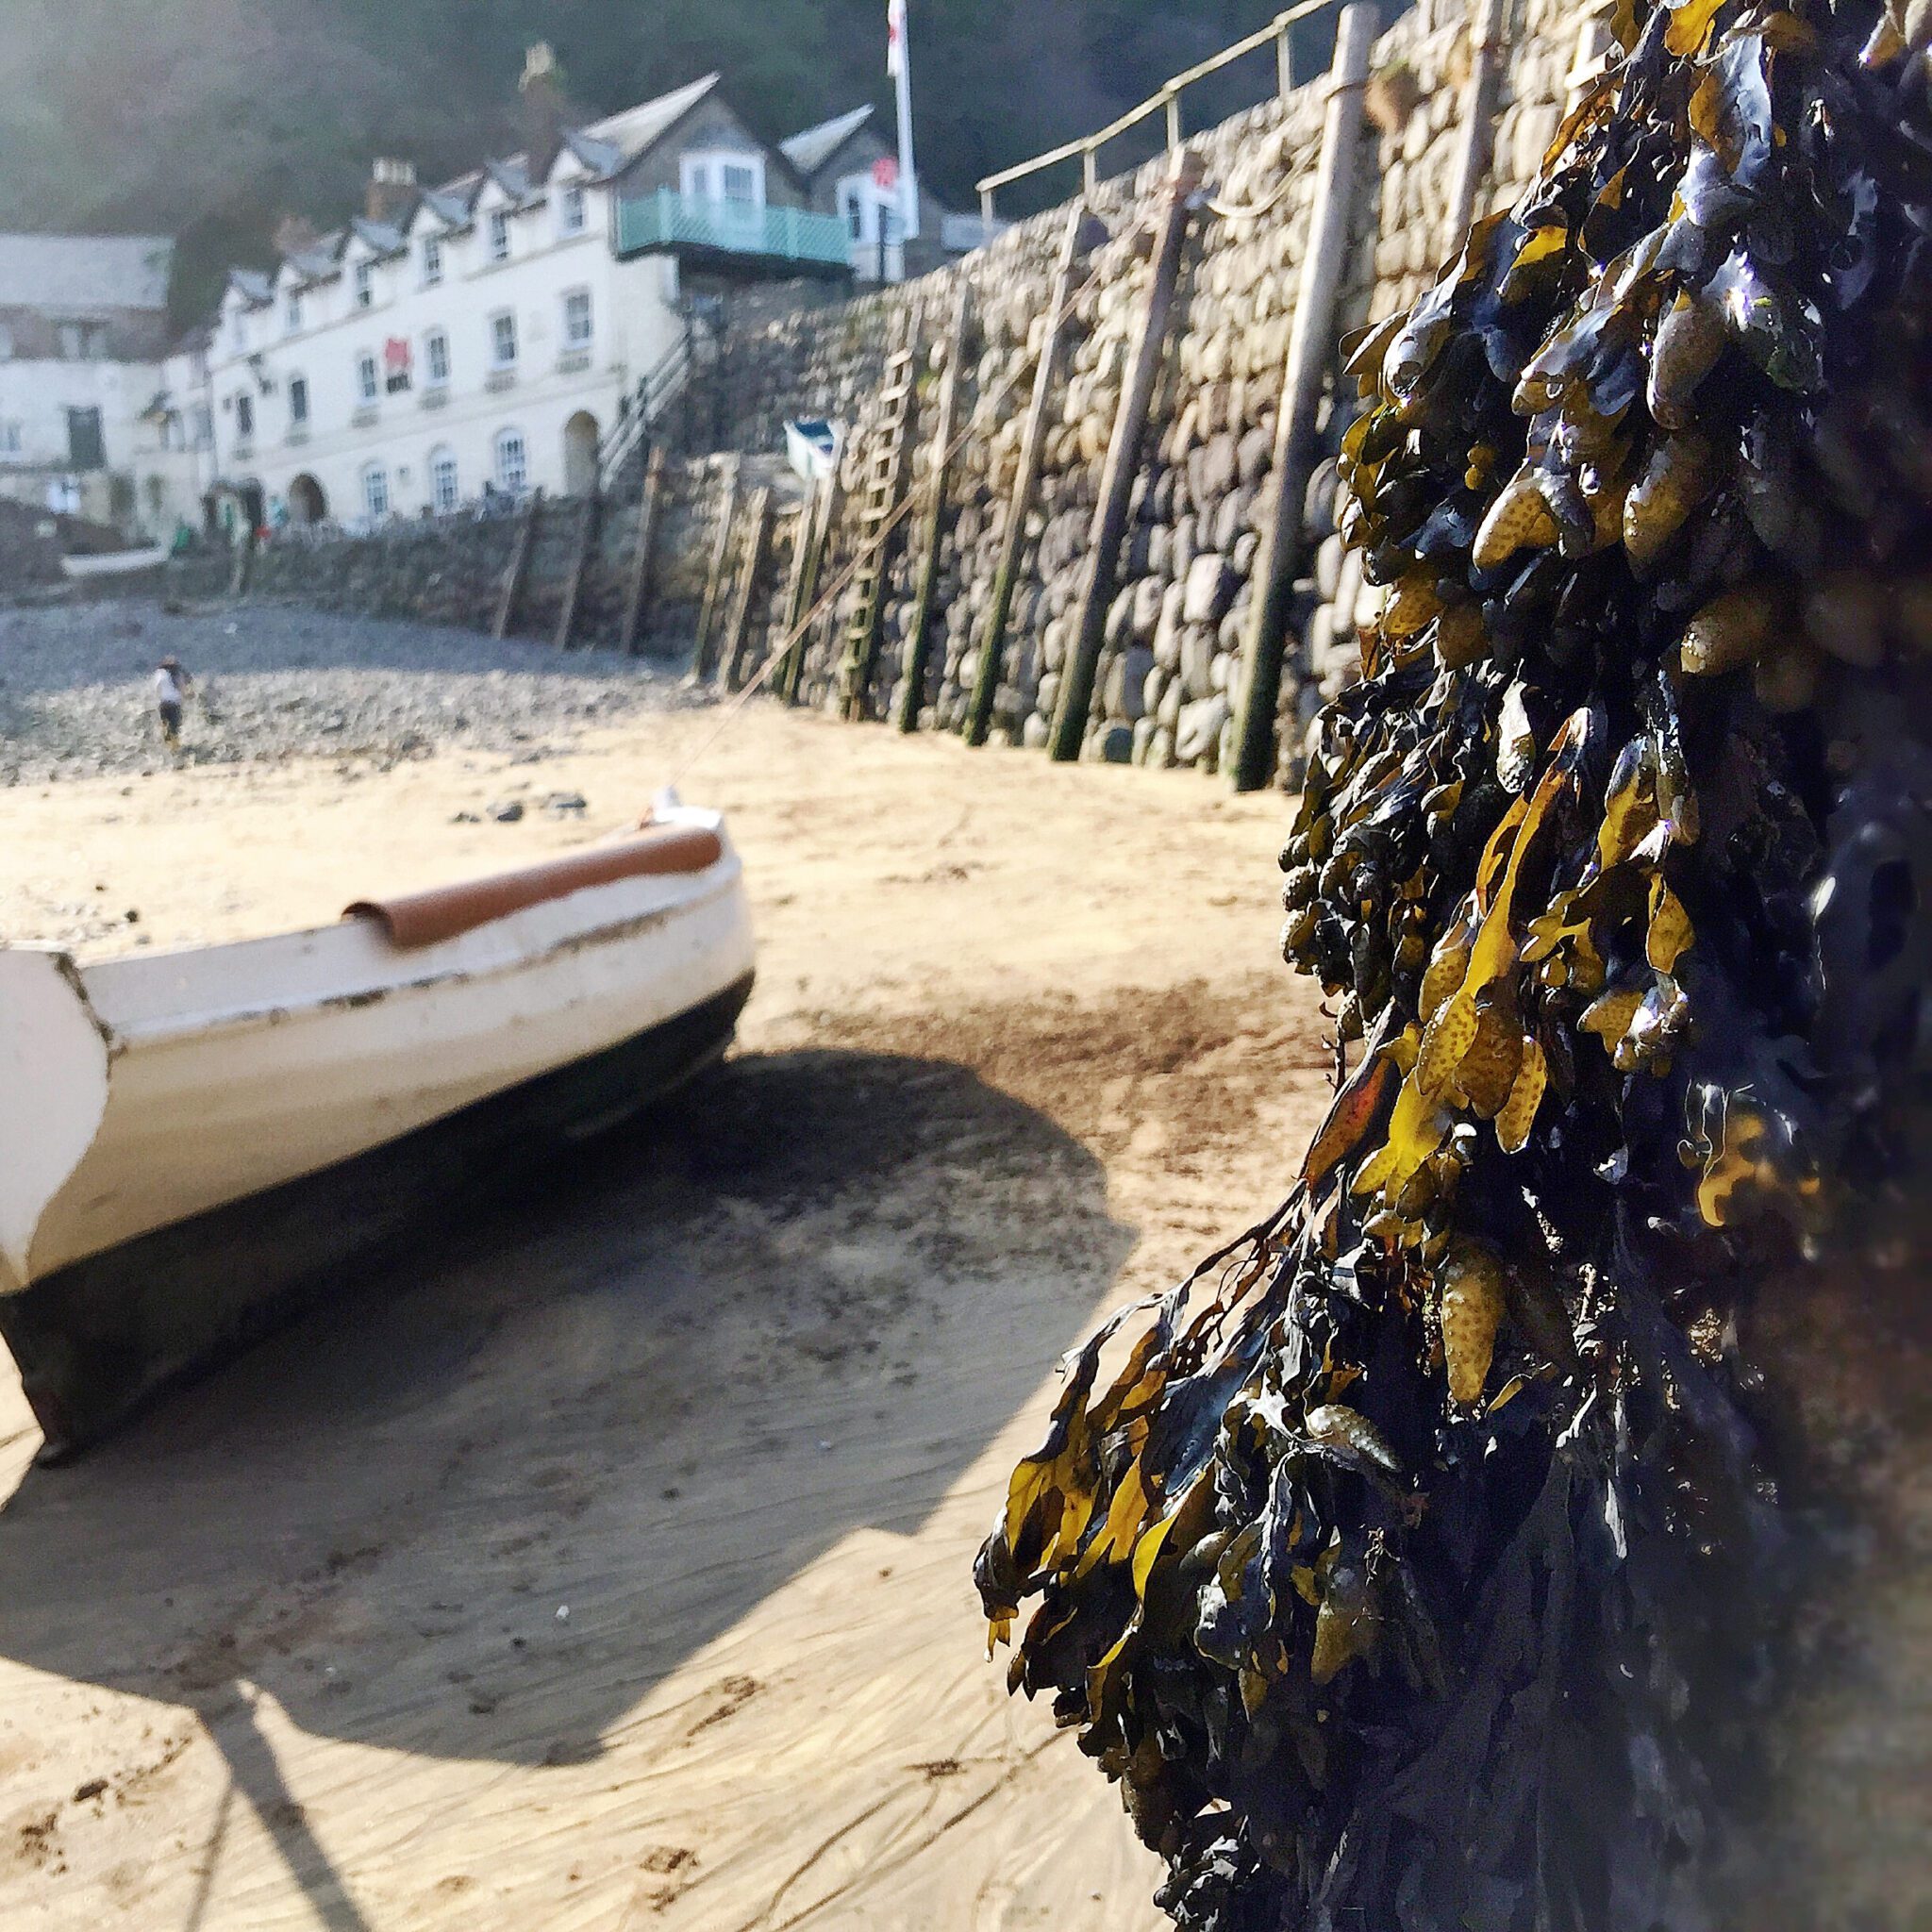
610, 1566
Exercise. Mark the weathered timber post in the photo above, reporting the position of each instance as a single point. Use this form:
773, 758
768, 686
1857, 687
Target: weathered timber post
1079, 236
1123, 463
637, 590
715, 578
519, 566
825, 511
574, 583
1311, 343
1478, 115
911, 691
758, 545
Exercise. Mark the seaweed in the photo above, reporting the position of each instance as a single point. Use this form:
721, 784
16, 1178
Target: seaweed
1429, 1564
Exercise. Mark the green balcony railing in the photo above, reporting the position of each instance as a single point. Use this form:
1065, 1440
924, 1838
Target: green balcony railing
670, 219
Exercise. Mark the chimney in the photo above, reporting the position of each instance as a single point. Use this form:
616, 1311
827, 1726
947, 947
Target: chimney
391, 189
545, 110
295, 235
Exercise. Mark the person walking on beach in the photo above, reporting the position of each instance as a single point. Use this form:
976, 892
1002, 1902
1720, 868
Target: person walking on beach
172, 686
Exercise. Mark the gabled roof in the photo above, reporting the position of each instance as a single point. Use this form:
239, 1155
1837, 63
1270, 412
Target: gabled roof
253, 287
600, 157
637, 129
380, 237
453, 202
85, 271
512, 175
810, 148
320, 261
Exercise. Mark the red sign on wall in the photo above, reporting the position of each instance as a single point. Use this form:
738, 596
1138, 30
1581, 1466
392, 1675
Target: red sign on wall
885, 171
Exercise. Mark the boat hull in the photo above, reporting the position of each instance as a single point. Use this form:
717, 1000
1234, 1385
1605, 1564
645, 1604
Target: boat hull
99, 1337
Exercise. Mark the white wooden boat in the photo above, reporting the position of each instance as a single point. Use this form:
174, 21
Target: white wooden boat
114, 563
191, 1143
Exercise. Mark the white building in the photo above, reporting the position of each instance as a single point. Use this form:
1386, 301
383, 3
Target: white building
489, 333
83, 333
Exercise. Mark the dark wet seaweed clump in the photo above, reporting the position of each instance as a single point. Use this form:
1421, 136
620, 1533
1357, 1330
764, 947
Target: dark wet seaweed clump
1425, 1564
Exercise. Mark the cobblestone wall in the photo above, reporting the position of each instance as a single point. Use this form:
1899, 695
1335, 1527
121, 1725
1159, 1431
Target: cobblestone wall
1169, 681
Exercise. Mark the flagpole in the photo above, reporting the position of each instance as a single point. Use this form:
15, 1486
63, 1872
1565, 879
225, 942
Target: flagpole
900, 58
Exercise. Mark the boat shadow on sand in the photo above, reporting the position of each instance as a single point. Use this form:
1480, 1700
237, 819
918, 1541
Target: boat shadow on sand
798, 1301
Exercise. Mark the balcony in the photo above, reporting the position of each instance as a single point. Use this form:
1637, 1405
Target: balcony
731, 232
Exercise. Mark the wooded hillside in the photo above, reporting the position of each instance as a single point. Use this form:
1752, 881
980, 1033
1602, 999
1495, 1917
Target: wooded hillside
209, 118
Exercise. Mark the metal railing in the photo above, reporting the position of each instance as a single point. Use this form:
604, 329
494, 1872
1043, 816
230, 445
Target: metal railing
639, 411
669, 220
1166, 101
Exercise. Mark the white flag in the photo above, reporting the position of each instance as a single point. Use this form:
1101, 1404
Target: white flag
896, 36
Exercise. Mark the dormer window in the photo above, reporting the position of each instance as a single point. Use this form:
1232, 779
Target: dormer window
571, 214
365, 285
498, 230
432, 261
292, 312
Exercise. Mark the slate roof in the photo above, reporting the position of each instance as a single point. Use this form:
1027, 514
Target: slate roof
637, 129
84, 272
810, 148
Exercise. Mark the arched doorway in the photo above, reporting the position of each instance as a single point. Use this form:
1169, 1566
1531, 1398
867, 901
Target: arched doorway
307, 503
580, 455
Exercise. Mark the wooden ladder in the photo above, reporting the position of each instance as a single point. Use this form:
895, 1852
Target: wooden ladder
881, 491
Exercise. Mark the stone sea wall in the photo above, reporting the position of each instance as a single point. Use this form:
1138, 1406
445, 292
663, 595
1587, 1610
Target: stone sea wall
1169, 681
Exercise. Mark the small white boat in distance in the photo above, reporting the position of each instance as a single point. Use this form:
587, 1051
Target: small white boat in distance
192, 1143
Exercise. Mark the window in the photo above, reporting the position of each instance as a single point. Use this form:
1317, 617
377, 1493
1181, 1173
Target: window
244, 417
513, 467
9, 439
503, 339
204, 425
292, 312
499, 234
736, 178
432, 261
86, 447
238, 332
84, 341
576, 319
443, 494
365, 285
570, 213
855, 215
435, 358
298, 400
375, 489
365, 376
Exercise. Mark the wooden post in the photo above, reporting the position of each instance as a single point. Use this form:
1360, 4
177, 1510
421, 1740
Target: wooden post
715, 578
912, 688
1284, 59
574, 583
1174, 120
818, 539
519, 566
1123, 462
986, 214
758, 546
1310, 345
802, 521
637, 590
1478, 115
1032, 448
1089, 170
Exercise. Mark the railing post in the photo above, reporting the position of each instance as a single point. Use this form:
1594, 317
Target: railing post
1310, 347
1089, 170
1123, 462
1026, 482
1173, 118
1478, 116
986, 213
1284, 58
